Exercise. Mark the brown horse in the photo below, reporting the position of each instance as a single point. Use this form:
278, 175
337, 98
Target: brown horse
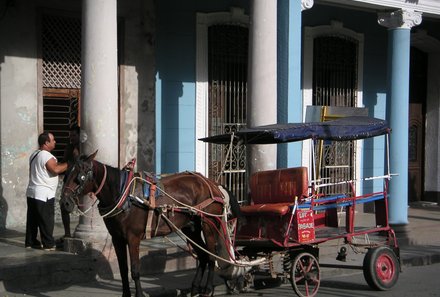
194, 201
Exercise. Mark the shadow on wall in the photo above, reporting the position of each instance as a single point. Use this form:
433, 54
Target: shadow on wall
3, 203
412, 189
3, 210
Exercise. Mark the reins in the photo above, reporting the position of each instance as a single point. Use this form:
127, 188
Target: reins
93, 195
238, 263
197, 209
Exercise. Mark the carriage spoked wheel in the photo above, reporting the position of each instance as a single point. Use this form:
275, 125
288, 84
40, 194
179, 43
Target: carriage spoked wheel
305, 275
381, 268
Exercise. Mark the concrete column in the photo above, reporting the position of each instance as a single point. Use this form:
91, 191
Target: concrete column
289, 74
262, 80
99, 102
399, 24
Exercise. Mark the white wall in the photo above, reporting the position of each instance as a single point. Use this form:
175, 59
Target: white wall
18, 99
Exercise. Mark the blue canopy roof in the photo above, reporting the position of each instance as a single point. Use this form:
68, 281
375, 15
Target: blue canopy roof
348, 128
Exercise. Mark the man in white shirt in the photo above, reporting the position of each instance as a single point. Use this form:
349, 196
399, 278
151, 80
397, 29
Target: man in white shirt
43, 181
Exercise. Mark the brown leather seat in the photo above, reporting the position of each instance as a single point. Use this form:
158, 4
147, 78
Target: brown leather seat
273, 192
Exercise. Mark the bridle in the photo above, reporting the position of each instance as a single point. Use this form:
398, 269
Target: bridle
83, 178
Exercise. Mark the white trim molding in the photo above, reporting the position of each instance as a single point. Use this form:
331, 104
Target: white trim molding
426, 6
237, 17
429, 7
404, 19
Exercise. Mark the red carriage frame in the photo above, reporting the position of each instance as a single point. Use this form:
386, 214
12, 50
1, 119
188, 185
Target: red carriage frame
288, 215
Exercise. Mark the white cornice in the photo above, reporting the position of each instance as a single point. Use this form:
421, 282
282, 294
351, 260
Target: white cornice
405, 19
306, 4
428, 7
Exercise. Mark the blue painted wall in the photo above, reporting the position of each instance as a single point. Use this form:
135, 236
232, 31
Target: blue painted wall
175, 84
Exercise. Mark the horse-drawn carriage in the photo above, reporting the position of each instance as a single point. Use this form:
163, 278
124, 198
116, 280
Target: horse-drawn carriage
289, 213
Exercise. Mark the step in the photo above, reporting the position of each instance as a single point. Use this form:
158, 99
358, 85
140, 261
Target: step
27, 269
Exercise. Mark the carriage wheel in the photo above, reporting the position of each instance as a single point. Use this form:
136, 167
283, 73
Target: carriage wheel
381, 268
305, 275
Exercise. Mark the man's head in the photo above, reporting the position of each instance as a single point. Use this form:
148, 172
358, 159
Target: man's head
46, 141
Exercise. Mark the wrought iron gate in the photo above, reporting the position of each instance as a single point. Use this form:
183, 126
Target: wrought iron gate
335, 84
228, 59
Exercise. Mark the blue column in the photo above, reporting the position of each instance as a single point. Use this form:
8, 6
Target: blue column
399, 23
289, 76
398, 109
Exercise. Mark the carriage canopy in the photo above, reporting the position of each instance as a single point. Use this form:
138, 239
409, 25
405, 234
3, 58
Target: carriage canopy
348, 128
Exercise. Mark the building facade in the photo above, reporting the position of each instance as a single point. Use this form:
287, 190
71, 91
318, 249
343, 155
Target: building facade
146, 79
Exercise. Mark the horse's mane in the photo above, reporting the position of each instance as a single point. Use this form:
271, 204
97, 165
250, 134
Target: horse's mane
85, 157
113, 173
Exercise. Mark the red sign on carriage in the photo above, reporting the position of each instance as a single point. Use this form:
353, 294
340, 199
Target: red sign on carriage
304, 226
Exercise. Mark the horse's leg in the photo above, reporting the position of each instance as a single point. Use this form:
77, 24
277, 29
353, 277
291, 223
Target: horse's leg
211, 241
209, 288
133, 248
196, 287
121, 254
194, 233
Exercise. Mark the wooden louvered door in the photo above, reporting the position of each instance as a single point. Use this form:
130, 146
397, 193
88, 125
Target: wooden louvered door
60, 113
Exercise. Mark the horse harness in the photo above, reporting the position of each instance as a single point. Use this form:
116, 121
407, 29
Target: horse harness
142, 189
82, 180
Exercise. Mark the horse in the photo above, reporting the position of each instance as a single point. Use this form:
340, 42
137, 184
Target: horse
186, 201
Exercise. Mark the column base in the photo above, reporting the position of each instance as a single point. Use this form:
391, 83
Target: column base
402, 234
102, 253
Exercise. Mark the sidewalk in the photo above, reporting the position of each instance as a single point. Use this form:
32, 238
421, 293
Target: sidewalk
28, 272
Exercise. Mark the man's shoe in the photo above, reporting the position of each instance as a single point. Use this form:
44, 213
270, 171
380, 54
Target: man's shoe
37, 246
48, 249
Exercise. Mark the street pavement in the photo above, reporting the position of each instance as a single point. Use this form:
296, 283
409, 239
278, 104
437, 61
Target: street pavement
166, 271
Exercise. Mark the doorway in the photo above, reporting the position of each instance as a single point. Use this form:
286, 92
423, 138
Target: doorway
416, 133
227, 93
60, 68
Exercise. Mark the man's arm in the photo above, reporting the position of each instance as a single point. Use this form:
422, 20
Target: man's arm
54, 167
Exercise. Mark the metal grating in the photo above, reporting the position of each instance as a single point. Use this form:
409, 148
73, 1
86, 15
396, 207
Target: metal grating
61, 51
334, 71
337, 164
335, 84
228, 60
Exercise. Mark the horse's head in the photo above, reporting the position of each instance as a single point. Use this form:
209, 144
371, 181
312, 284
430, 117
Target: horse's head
79, 182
